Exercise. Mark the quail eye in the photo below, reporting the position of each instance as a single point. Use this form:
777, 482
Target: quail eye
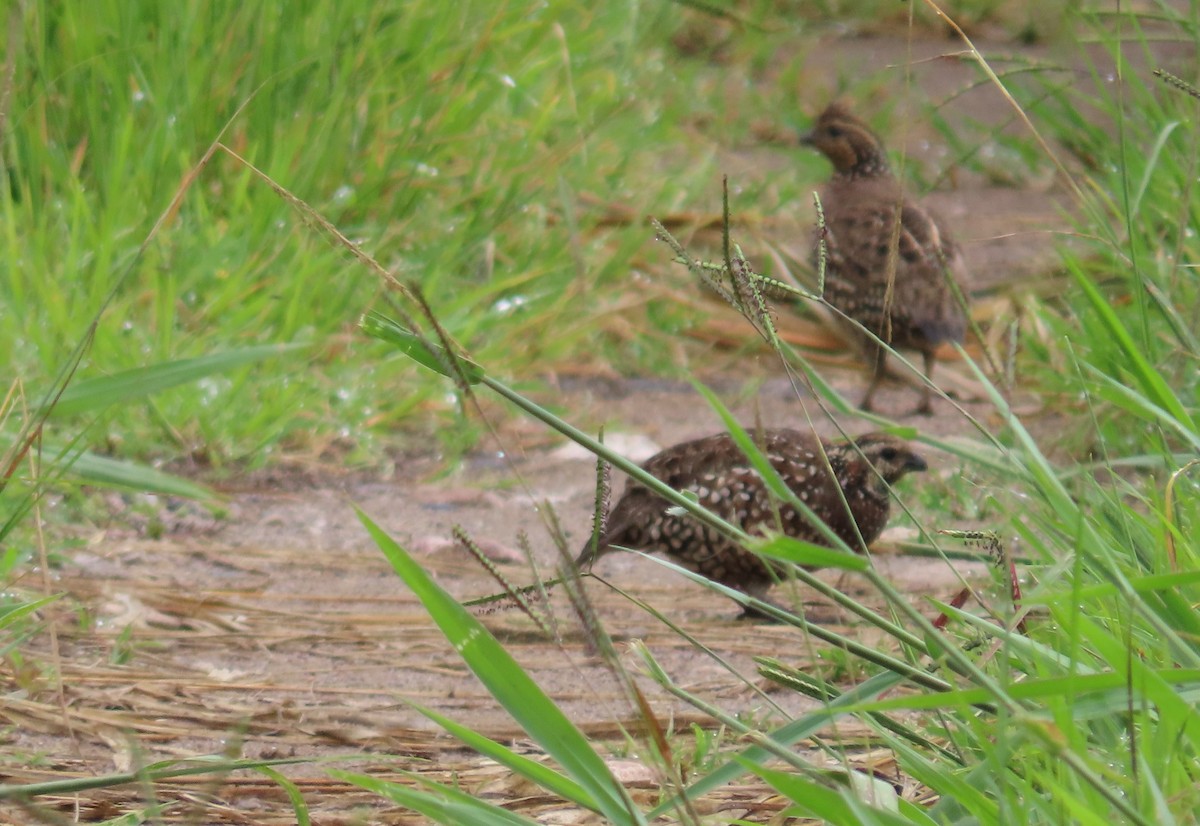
835, 131
888, 454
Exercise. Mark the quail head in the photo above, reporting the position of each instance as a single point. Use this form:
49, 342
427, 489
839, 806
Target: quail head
890, 264
849, 493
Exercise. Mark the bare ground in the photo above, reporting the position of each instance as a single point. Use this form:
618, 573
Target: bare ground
280, 630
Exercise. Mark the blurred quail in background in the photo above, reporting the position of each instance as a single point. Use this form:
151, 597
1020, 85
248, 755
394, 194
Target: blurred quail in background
890, 265
725, 482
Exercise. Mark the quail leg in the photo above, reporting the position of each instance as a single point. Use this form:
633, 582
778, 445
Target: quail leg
759, 591
925, 408
822, 615
752, 614
879, 357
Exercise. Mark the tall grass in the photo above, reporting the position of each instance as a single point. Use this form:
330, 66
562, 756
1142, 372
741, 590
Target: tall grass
474, 149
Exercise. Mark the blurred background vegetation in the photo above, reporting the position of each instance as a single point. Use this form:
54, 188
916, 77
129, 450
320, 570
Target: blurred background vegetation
504, 157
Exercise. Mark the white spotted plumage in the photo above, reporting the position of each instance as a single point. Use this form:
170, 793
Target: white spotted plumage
850, 494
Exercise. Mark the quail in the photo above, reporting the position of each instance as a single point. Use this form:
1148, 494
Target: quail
719, 474
890, 265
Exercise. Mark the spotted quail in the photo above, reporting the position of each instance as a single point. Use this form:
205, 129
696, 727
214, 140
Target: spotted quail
890, 264
723, 480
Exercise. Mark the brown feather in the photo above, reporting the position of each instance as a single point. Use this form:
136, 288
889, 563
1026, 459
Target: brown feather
891, 266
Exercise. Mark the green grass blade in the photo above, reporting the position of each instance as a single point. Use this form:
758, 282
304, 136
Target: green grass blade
100, 470
859, 649
92, 395
1148, 378
959, 793
538, 773
814, 799
1110, 690
427, 354
295, 796
619, 462
444, 805
799, 552
14, 612
1131, 401
162, 770
793, 732
1160, 141
766, 472
508, 683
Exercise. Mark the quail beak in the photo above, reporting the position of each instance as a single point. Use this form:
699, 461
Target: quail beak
807, 138
915, 463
